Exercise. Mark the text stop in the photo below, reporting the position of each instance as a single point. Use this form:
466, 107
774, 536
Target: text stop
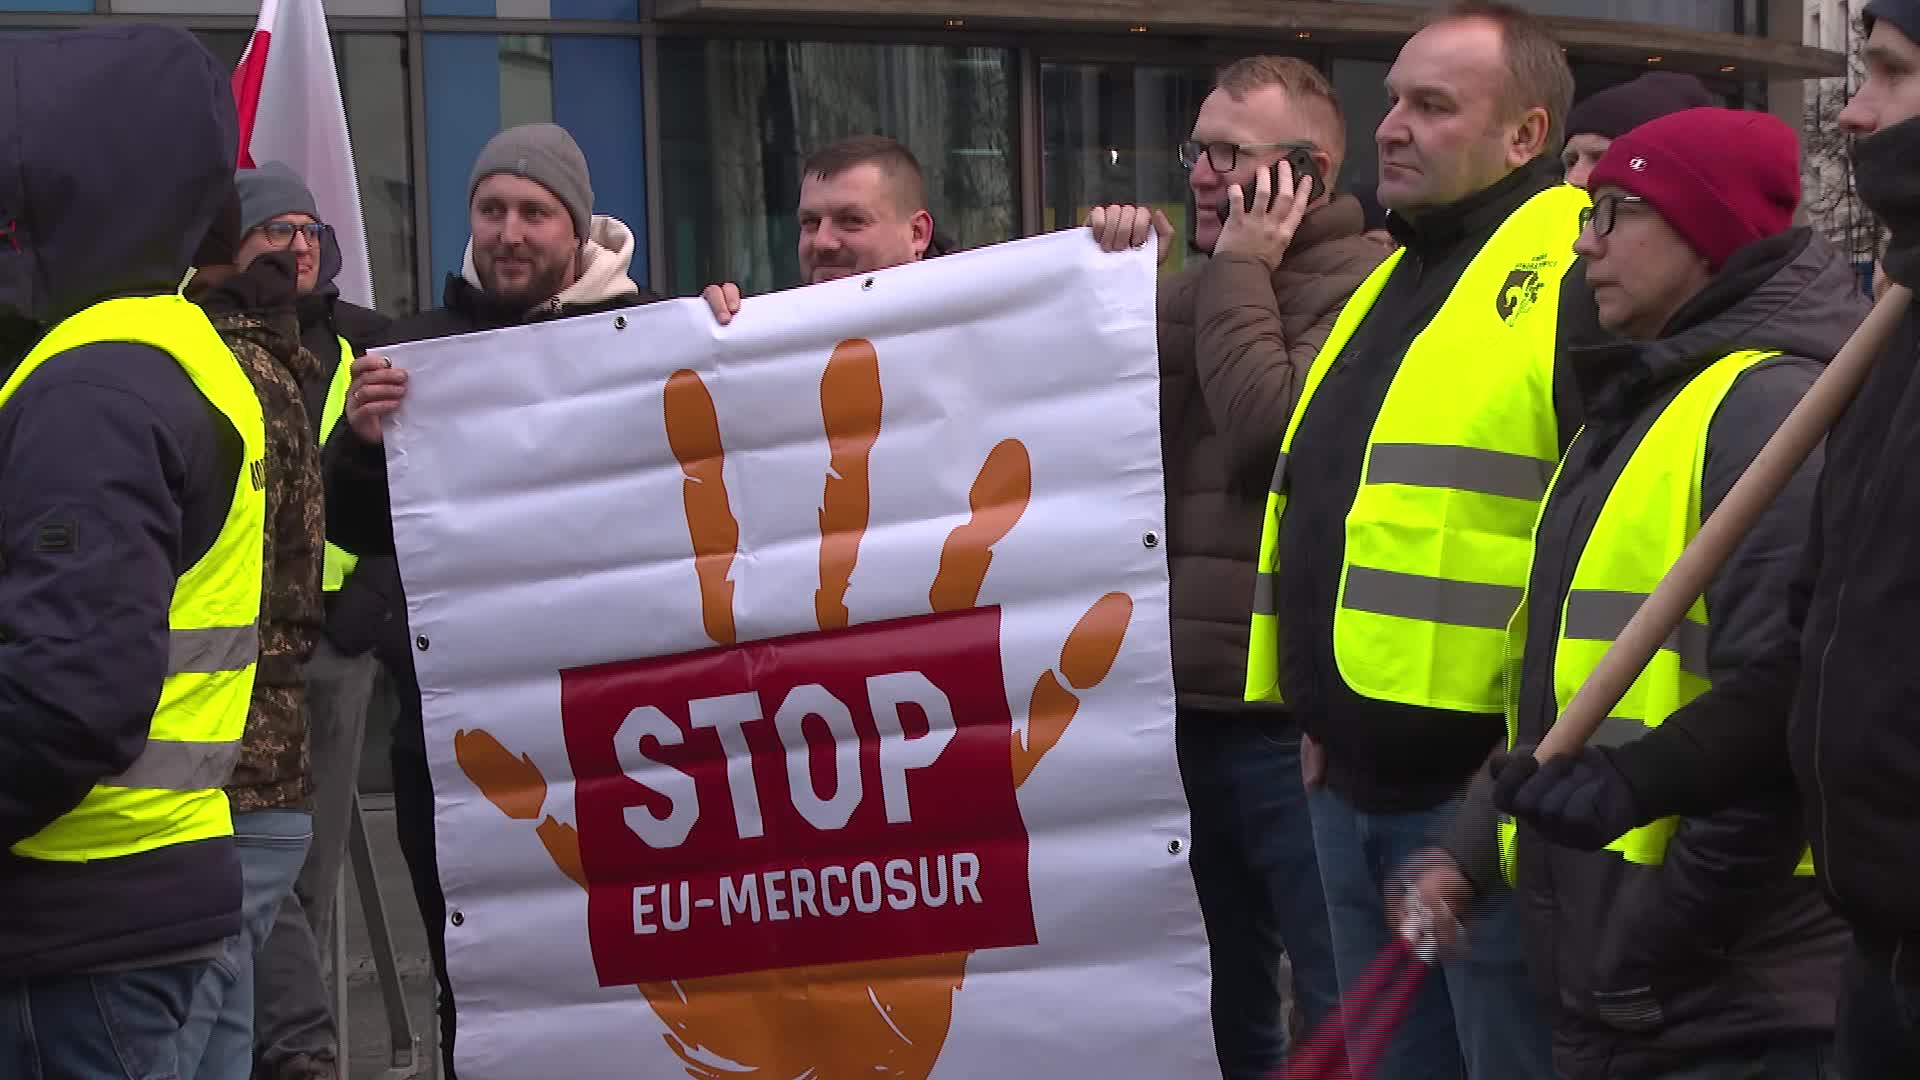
821, 798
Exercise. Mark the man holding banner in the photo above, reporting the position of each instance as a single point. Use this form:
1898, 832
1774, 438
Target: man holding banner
538, 253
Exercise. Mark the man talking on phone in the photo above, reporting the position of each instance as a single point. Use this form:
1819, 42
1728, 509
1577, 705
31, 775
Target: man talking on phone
1237, 333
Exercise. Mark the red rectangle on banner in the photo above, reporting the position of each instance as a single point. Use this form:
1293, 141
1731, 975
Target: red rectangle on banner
815, 799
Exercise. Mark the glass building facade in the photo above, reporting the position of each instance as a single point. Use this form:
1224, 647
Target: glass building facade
695, 122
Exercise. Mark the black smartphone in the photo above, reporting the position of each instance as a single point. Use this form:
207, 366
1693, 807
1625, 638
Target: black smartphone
1301, 159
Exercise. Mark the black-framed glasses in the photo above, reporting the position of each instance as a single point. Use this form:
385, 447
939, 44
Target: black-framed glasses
1225, 156
1604, 212
280, 233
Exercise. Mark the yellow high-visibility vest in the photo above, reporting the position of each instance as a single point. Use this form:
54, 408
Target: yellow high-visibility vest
1650, 515
338, 561
172, 792
1456, 463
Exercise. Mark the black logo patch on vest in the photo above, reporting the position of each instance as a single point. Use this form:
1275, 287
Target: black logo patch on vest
57, 538
1522, 288
257, 472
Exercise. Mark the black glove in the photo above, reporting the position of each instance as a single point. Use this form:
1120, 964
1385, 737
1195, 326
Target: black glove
1578, 801
1886, 174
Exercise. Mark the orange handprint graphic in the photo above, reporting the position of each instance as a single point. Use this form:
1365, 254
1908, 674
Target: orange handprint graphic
792, 846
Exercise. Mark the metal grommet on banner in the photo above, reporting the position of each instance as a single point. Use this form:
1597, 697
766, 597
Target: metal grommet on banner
1150, 539
619, 322
867, 284
421, 643
458, 919
1174, 847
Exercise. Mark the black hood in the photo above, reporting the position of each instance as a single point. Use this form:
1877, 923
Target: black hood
1792, 293
116, 151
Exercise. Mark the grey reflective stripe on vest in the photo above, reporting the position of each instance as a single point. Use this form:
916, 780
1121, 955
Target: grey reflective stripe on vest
1600, 615
217, 648
1429, 599
1617, 731
180, 766
1278, 486
1263, 602
1462, 468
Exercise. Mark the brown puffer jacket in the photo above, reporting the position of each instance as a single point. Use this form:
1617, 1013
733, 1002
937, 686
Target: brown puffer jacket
1235, 345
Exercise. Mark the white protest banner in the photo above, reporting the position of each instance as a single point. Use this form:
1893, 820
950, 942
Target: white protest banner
797, 692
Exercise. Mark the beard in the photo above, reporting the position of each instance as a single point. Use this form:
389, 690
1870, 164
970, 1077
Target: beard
546, 278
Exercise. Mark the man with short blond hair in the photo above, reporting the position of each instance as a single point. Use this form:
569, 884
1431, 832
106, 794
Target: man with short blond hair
1238, 331
863, 207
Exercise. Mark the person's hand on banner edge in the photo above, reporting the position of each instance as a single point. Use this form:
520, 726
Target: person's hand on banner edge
373, 395
1117, 228
1575, 800
723, 300
1429, 899
1265, 232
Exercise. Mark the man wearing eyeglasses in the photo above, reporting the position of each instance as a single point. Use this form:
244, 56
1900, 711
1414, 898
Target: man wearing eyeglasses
1395, 542
1237, 333
1699, 946
294, 1033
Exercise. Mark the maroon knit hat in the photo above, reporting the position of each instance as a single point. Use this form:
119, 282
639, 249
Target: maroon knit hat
1722, 178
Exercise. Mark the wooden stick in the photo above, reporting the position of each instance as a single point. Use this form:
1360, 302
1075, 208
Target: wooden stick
1809, 422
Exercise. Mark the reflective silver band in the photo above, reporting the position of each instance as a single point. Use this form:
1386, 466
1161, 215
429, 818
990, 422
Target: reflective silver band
1462, 468
213, 649
180, 766
1600, 615
1433, 600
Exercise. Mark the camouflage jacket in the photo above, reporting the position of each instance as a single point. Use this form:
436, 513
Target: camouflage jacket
274, 769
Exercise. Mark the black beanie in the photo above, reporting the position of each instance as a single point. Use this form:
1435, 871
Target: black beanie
1617, 110
1903, 14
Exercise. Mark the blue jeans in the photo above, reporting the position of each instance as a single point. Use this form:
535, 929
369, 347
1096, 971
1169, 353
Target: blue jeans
1253, 867
1483, 1018
218, 1042
120, 1026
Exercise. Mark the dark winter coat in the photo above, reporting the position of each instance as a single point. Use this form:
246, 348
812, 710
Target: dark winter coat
111, 446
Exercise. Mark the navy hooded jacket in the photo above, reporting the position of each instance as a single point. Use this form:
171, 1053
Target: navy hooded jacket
116, 153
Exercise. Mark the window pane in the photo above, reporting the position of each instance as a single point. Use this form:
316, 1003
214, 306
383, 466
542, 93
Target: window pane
1362, 88
739, 117
373, 82
480, 84
1110, 134
335, 9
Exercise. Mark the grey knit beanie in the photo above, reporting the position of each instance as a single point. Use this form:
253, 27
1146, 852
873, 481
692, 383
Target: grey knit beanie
269, 191
546, 155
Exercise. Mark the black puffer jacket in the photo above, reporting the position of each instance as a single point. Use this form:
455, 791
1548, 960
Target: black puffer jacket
116, 476
1655, 968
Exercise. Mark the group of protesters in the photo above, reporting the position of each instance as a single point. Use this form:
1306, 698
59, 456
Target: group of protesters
1426, 447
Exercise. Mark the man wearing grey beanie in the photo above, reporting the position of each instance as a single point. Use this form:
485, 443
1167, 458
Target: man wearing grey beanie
538, 252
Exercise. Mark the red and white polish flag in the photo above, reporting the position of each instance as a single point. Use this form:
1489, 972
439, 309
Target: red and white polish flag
290, 111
